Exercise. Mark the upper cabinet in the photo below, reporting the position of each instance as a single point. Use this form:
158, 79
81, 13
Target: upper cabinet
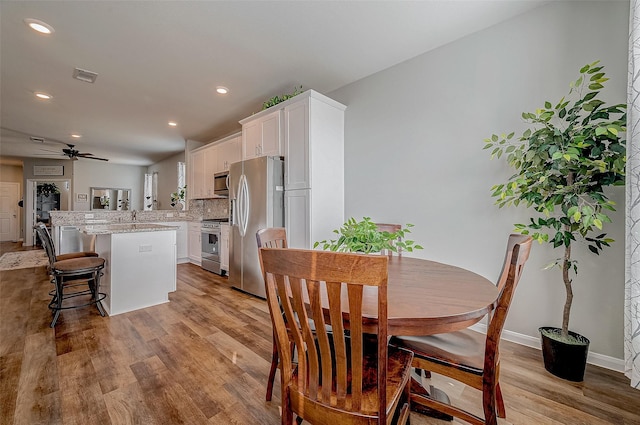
261, 135
208, 160
229, 152
195, 187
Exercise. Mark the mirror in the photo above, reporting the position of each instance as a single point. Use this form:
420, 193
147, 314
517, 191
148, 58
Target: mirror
112, 199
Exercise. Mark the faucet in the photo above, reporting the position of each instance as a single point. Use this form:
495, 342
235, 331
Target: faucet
133, 213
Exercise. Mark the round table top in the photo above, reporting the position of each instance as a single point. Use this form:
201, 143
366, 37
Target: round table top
426, 297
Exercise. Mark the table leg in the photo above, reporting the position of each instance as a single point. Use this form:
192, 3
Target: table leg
432, 392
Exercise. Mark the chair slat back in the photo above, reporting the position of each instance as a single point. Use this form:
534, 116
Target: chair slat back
391, 228
316, 288
47, 242
272, 237
521, 247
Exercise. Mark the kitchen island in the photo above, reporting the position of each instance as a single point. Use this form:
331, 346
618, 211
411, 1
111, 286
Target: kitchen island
140, 268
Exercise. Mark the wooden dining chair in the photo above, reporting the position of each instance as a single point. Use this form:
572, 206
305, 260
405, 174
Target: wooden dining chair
273, 237
391, 228
468, 356
339, 378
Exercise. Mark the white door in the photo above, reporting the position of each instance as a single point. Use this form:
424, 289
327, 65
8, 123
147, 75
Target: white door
9, 220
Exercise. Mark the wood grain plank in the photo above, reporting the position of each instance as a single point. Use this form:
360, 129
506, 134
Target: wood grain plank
37, 401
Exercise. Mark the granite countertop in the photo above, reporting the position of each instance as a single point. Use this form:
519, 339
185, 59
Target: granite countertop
108, 229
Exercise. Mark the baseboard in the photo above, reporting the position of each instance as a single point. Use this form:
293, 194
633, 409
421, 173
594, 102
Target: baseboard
596, 359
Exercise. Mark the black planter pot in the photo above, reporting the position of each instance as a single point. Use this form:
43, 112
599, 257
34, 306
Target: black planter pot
564, 360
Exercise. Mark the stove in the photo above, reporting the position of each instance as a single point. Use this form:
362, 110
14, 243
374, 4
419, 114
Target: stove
210, 229
213, 223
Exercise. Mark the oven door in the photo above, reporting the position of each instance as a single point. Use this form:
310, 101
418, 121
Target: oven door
211, 250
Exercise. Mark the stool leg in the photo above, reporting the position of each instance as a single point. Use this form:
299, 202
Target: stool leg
96, 292
58, 299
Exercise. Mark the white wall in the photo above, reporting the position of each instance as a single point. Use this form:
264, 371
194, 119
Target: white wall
413, 154
167, 179
87, 174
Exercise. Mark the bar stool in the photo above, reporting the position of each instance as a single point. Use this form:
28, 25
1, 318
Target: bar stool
72, 272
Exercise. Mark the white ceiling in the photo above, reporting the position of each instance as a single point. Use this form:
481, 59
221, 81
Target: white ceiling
161, 60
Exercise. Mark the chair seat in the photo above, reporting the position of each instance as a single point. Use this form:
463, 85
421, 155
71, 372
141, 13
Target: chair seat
463, 349
72, 255
78, 264
398, 370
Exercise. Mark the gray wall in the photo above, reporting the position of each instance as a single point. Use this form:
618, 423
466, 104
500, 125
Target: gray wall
413, 154
167, 179
87, 174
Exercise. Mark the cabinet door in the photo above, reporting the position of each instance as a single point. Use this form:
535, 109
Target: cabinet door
296, 145
228, 153
251, 139
210, 168
261, 137
195, 247
197, 173
271, 135
298, 218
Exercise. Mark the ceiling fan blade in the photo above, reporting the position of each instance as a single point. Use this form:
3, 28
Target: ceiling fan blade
48, 150
94, 157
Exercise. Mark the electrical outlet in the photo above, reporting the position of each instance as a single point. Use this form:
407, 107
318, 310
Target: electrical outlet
208, 209
88, 216
224, 211
145, 248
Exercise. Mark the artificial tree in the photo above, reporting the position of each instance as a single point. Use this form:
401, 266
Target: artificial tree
563, 164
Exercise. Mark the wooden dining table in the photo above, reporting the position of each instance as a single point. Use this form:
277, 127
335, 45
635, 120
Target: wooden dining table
426, 297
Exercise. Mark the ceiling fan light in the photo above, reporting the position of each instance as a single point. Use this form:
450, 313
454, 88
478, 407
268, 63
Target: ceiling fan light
39, 26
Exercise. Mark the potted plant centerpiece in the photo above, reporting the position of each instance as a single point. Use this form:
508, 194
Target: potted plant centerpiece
363, 236
563, 163
177, 198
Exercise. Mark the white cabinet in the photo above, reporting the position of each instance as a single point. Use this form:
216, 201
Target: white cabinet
261, 135
182, 237
229, 151
203, 166
196, 173
224, 247
195, 246
297, 218
210, 168
314, 168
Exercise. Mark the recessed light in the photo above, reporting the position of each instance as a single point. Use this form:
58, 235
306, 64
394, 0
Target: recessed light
172, 123
44, 96
41, 27
76, 135
222, 90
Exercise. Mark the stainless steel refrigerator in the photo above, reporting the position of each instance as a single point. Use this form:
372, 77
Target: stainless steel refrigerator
256, 192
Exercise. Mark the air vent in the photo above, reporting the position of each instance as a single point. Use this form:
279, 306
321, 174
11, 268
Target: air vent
84, 75
36, 139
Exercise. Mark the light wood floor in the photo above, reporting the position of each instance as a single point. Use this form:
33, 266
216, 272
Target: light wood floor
203, 358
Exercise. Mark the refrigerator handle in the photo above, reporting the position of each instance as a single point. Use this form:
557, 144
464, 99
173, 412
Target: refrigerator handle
242, 210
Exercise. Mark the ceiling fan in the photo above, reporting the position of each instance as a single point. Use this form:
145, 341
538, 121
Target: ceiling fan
74, 154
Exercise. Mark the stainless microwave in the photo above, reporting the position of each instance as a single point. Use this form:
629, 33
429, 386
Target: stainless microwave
221, 184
